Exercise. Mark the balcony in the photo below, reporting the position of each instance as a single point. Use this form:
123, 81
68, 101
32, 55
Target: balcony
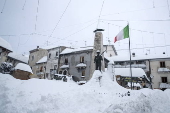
164, 85
163, 70
143, 66
64, 66
81, 65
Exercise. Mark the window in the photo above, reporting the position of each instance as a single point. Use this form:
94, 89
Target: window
32, 58
49, 55
66, 61
82, 59
55, 67
164, 79
83, 74
162, 64
56, 53
41, 69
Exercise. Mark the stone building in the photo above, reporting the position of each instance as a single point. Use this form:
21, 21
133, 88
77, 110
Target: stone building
41, 67
5, 49
76, 62
110, 51
34, 57
156, 68
52, 60
15, 58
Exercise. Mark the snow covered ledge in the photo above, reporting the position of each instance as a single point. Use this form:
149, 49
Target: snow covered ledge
110, 69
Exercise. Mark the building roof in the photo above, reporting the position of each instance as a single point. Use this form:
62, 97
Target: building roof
72, 50
18, 57
127, 58
125, 72
42, 60
5, 44
23, 67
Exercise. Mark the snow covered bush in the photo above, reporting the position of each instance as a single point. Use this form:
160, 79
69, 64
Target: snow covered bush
6, 67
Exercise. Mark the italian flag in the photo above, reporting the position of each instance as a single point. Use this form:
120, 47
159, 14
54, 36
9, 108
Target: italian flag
124, 33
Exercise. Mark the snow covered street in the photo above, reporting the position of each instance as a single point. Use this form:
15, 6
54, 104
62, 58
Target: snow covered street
51, 96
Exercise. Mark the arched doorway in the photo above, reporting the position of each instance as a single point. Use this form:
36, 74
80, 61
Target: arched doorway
65, 72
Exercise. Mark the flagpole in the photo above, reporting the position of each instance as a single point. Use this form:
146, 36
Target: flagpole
130, 60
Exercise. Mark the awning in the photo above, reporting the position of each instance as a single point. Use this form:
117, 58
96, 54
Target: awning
81, 65
64, 66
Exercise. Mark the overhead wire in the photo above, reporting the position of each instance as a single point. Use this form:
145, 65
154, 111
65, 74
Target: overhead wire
3, 6
134, 10
59, 19
100, 14
77, 31
24, 4
36, 15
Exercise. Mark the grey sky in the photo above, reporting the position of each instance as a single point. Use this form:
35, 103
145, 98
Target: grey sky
79, 21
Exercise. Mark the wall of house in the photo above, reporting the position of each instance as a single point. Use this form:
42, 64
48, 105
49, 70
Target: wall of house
110, 50
41, 67
53, 60
38, 54
73, 60
23, 75
3, 55
157, 75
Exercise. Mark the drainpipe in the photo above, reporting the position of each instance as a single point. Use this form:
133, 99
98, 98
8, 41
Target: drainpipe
150, 74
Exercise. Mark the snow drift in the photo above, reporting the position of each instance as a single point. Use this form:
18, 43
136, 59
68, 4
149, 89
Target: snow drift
104, 96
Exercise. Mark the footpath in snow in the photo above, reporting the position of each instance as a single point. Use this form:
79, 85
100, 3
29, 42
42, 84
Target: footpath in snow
51, 96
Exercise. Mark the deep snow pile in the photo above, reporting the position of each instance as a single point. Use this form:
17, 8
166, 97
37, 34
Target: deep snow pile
104, 96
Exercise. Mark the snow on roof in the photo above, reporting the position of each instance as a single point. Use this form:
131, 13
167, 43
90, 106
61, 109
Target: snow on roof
71, 50
127, 58
18, 57
5, 44
64, 66
49, 47
42, 60
23, 67
81, 65
125, 72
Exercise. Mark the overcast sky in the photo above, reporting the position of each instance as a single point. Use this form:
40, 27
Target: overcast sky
148, 35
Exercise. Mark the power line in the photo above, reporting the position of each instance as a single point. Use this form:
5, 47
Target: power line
24, 5
133, 11
76, 32
59, 19
100, 13
3, 6
37, 33
36, 16
134, 29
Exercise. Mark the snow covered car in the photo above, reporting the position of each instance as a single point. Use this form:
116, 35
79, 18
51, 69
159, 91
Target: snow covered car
60, 77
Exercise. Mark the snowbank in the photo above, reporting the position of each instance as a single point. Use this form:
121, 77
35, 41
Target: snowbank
52, 96
23, 67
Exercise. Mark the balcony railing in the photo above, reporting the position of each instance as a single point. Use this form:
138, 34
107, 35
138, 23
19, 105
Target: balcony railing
164, 85
163, 70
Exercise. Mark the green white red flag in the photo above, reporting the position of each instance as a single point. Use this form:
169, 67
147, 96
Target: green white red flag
124, 33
